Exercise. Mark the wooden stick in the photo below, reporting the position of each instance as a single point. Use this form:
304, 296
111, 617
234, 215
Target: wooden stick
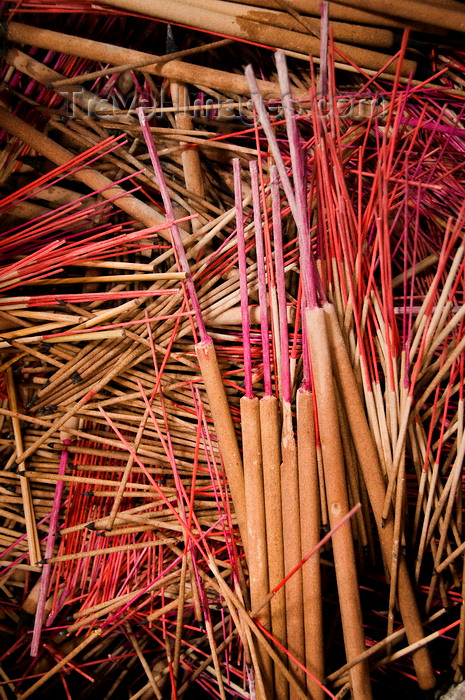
31, 527
85, 643
79, 79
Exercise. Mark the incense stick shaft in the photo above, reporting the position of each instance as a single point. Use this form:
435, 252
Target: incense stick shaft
224, 428
291, 542
372, 474
271, 456
336, 491
309, 494
257, 559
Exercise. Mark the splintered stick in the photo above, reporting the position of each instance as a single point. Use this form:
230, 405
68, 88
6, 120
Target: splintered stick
208, 361
372, 474
289, 469
336, 492
309, 493
271, 449
31, 527
252, 451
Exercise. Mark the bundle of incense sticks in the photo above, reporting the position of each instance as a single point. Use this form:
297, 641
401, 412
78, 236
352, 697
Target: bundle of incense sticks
231, 349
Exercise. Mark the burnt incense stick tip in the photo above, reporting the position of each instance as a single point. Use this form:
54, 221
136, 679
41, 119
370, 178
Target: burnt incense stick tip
50, 409
91, 526
76, 377
32, 402
42, 562
87, 493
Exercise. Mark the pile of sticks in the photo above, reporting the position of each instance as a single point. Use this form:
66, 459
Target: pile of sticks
232, 354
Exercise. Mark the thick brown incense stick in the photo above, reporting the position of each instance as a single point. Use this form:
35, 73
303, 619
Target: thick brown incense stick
373, 477
336, 492
31, 527
108, 53
250, 30
340, 12
271, 458
291, 542
256, 530
350, 33
309, 493
224, 429
448, 16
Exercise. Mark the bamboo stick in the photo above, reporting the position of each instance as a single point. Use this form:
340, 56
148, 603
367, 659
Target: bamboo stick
31, 526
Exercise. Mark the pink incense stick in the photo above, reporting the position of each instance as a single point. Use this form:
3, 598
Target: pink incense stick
324, 36
175, 233
243, 279
308, 268
262, 300
281, 286
297, 213
270, 135
49, 547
